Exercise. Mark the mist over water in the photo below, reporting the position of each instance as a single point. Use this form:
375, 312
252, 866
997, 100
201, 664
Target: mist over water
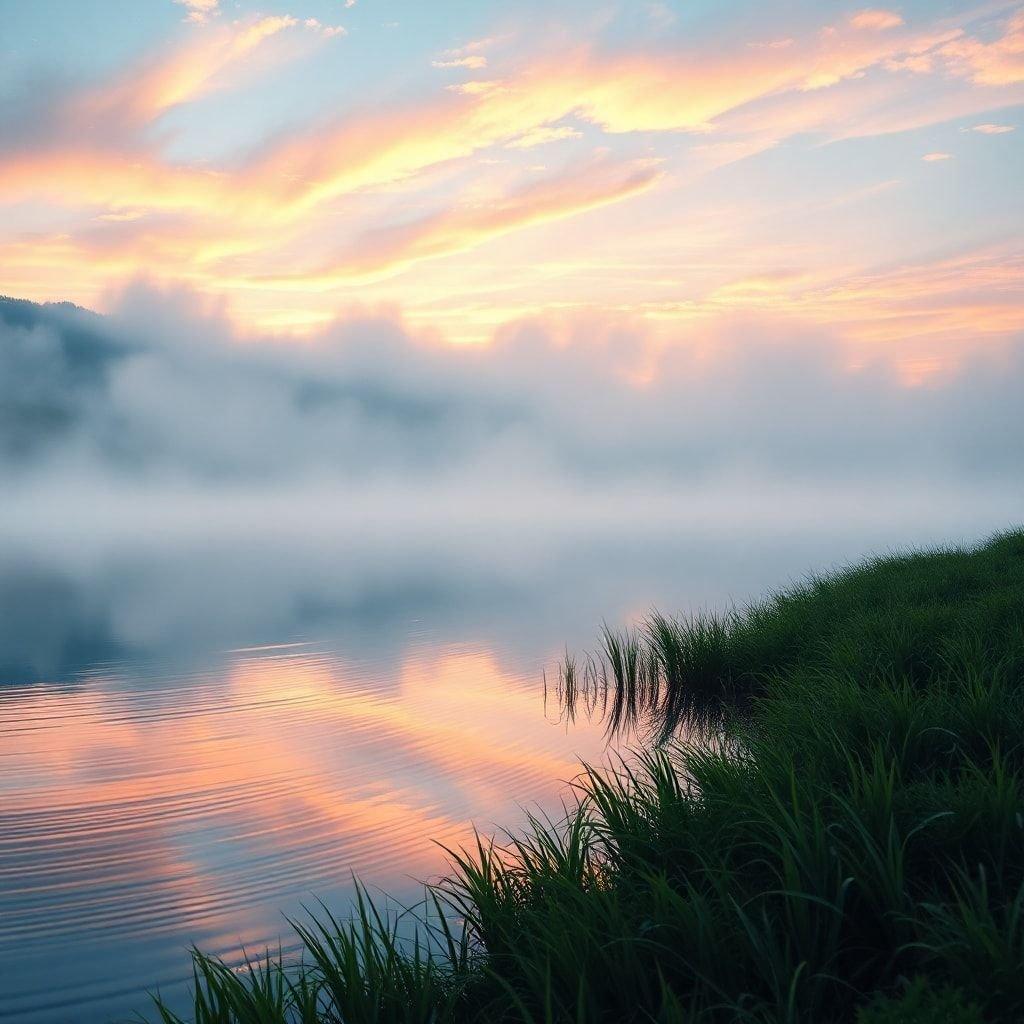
272, 614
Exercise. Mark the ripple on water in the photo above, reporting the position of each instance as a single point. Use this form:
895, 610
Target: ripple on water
142, 810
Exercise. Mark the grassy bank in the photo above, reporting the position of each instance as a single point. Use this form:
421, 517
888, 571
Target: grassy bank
853, 849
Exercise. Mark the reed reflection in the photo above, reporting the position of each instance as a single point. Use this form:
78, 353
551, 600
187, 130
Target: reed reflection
664, 675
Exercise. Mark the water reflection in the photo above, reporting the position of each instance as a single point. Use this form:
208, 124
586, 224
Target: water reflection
198, 808
194, 742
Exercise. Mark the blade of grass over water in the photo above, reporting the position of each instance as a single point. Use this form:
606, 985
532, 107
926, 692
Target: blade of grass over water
825, 825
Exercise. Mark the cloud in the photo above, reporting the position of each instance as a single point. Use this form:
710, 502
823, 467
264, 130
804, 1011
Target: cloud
183, 75
474, 46
542, 136
199, 11
993, 62
164, 391
993, 129
924, 318
875, 19
472, 63
327, 31
387, 250
617, 93
91, 146
934, 157
114, 119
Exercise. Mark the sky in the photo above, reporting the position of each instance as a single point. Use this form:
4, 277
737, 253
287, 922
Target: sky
661, 169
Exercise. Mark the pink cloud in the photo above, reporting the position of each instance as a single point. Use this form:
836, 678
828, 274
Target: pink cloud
999, 61
875, 19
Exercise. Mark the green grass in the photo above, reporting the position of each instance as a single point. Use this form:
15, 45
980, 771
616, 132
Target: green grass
895, 618
849, 848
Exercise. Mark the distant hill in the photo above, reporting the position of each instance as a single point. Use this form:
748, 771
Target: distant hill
55, 360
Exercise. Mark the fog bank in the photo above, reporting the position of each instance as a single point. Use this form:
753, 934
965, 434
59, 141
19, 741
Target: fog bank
158, 417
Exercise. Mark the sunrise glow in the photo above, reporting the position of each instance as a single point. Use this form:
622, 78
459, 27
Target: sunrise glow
656, 164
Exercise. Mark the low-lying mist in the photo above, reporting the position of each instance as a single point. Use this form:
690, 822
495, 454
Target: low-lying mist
158, 420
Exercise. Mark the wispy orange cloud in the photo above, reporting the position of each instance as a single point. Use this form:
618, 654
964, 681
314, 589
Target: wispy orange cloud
619, 94
386, 251
99, 152
958, 299
83, 176
184, 75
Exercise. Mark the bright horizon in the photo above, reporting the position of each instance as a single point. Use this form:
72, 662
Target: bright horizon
660, 171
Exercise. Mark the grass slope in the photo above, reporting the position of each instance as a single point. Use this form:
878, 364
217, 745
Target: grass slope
853, 850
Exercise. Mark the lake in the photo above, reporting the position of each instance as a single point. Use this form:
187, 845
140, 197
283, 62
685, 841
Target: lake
199, 737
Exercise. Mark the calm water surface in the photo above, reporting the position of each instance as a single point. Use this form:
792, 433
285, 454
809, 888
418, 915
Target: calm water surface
194, 743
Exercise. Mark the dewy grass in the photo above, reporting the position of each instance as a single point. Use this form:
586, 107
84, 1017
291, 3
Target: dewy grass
906, 615
853, 852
